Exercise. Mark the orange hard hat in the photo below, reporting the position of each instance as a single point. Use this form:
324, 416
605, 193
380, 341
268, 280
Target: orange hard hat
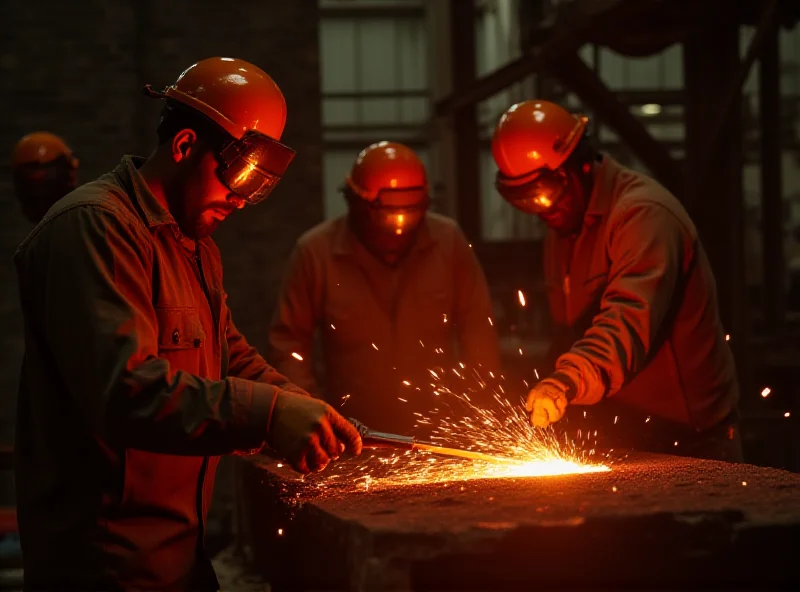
41, 148
234, 94
389, 168
535, 135
245, 102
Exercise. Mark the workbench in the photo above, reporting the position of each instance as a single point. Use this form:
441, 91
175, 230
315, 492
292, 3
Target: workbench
653, 521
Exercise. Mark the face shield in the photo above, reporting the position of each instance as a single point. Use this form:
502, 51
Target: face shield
252, 166
387, 225
535, 193
398, 211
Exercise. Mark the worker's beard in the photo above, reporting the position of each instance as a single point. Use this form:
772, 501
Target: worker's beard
566, 214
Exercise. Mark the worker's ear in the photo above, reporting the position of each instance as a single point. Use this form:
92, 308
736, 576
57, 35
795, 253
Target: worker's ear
183, 143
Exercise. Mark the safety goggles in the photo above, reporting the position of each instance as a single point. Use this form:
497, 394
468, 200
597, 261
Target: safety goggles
395, 211
533, 193
252, 166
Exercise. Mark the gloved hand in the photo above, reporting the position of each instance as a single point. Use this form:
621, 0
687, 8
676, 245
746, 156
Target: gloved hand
547, 402
308, 432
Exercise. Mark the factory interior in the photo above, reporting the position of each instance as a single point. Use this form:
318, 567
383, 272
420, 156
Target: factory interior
703, 97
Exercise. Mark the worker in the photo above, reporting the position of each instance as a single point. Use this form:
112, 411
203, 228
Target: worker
629, 282
45, 170
135, 379
393, 291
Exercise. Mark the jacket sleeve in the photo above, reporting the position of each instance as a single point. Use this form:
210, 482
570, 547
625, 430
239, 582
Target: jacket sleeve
291, 335
647, 248
477, 338
100, 325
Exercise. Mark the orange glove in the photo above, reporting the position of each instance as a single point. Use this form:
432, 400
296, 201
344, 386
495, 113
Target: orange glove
309, 433
547, 402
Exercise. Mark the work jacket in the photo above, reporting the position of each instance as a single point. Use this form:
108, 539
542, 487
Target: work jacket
383, 328
134, 381
635, 295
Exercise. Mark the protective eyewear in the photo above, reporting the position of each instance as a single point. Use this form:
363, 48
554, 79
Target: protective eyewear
252, 166
396, 211
533, 193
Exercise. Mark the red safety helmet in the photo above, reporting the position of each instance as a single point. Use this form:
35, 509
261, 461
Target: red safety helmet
531, 143
40, 148
247, 104
391, 178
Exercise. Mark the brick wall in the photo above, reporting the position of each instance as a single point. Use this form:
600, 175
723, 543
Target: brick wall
76, 68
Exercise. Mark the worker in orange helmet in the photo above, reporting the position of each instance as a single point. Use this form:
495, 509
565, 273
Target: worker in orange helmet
135, 379
628, 283
45, 170
392, 289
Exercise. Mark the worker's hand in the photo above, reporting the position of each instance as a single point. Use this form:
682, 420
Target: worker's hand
309, 432
547, 403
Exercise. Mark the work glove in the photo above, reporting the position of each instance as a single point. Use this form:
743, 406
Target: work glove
547, 402
309, 433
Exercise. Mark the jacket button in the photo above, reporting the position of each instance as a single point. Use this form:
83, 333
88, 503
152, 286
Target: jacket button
176, 336
197, 342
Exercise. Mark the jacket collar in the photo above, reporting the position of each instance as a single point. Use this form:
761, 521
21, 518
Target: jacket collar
154, 211
602, 189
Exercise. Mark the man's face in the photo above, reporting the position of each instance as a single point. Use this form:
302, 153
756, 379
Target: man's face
200, 201
566, 214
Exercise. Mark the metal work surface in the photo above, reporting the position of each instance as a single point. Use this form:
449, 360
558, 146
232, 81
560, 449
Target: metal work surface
653, 520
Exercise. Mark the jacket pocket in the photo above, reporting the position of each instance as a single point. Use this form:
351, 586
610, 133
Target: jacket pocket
179, 329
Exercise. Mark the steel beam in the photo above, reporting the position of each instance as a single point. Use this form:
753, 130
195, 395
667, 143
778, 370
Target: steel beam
466, 148
584, 82
732, 99
771, 180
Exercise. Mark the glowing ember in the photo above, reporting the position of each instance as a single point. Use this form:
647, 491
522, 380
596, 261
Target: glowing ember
765, 393
787, 414
727, 337
280, 532
297, 356
521, 297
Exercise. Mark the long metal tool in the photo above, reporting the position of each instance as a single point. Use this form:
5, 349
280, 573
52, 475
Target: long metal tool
372, 439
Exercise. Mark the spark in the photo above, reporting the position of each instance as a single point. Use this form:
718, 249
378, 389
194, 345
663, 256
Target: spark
521, 298
520, 351
727, 337
375, 347
280, 532
445, 317
344, 398
297, 356
616, 417
676, 442
502, 430
470, 245
405, 382
332, 327
280, 465
787, 414
536, 372
490, 322
744, 483
647, 420
765, 393
614, 489
422, 344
